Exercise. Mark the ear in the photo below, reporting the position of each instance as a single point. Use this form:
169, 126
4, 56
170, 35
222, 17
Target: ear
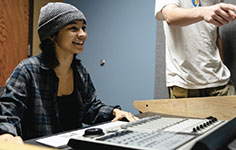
53, 38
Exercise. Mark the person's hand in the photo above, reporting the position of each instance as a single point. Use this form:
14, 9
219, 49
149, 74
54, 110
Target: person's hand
10, 138
219, 14
120, 114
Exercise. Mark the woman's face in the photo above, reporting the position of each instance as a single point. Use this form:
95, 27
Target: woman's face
71, 38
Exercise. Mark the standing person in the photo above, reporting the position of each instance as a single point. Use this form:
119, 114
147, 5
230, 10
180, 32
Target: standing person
53, 92
193, 47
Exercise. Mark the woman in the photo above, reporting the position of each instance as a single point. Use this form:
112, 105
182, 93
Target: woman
52, 92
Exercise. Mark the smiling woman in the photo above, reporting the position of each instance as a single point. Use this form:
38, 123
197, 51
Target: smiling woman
52, 92
71, 37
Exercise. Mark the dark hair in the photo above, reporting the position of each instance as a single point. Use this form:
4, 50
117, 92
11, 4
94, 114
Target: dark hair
48, 51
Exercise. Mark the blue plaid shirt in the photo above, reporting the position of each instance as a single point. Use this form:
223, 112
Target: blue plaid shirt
29, 108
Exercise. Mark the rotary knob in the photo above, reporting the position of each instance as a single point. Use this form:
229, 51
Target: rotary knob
93, 132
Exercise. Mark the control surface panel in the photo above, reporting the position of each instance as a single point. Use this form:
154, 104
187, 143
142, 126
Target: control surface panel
149, 133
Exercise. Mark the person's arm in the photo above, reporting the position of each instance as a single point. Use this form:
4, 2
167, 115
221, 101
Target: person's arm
218, 14
99, 112
12, 105
7, 128
95, 111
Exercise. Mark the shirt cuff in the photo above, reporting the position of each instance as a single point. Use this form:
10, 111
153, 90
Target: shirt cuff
8, 128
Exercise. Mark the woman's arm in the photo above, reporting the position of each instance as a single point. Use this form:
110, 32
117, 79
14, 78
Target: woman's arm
12, 102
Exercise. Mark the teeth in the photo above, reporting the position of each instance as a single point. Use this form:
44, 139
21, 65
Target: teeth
79, 42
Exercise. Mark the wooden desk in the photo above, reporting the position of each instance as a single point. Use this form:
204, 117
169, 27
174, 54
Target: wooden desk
221, 107
10, 146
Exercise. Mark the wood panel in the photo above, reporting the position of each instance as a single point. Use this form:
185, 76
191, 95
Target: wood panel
14, 26
11, 146
222, 107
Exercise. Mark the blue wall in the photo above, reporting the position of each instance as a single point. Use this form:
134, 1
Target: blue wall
122, 32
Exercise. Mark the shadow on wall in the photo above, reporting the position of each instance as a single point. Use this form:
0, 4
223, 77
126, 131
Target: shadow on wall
161, 91
228, 36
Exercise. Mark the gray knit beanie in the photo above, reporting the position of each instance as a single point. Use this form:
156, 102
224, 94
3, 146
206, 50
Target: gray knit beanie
55, 16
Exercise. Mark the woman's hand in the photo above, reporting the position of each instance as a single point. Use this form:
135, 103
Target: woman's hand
10, 138
120, 114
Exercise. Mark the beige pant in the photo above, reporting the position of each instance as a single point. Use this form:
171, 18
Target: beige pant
178, 92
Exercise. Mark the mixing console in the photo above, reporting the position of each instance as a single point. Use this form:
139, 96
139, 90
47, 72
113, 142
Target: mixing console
149, 133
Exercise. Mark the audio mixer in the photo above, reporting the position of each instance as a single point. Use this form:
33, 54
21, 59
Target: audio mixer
149, 133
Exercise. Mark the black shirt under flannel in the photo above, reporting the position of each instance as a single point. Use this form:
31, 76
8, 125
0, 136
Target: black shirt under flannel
29, 107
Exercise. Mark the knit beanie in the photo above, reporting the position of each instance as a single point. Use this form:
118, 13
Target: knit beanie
55, 16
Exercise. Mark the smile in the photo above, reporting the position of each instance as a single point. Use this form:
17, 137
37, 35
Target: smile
78, 42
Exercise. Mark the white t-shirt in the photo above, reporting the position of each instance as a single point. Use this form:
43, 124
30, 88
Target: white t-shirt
192, 56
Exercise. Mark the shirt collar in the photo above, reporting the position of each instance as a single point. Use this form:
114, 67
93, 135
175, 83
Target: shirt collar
46, 65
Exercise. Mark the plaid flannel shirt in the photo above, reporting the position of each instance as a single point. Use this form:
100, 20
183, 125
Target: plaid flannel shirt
29, 109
